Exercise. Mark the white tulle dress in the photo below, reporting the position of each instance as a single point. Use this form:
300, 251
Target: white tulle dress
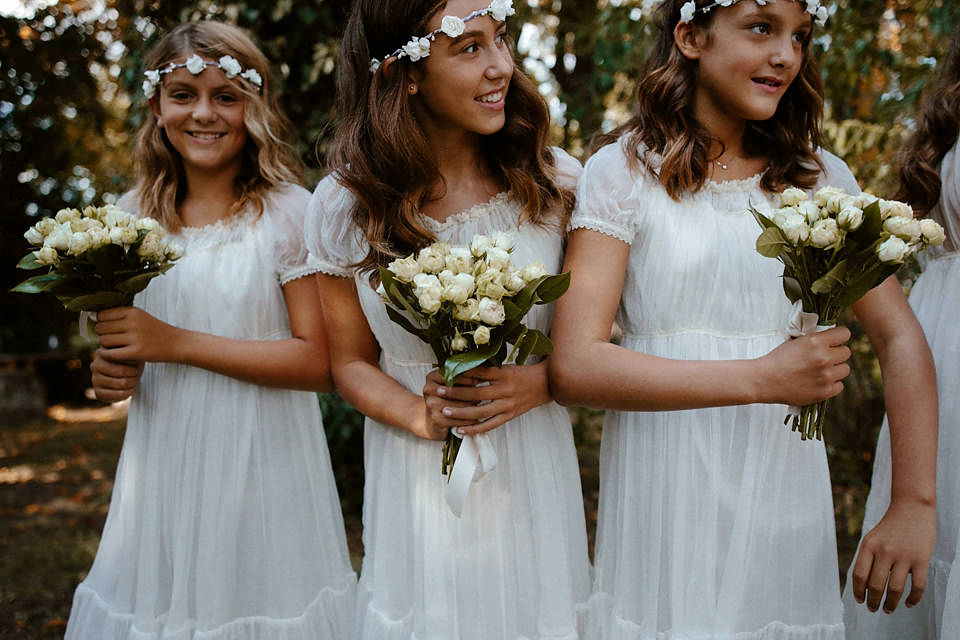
224, 523
514, 566
713, 523
935, 298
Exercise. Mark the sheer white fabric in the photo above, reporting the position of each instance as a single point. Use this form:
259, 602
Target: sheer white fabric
224, 522
935, 299
514, 566
713, 523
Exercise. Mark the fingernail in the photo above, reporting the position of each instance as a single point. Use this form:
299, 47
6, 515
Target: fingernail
442, 391
447, 412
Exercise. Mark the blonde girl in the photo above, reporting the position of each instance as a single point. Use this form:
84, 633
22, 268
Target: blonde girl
715, 521
224, 521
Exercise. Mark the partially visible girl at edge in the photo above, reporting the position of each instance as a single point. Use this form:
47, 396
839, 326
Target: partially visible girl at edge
443, 147
930, 181
715, 520
224, 522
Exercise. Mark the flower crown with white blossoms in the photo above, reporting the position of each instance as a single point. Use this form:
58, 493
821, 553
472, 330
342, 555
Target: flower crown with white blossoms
690, 8
195, 65
452, 26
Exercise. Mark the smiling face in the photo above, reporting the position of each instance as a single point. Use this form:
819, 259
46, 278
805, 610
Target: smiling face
747, 59
461, 87
202, 116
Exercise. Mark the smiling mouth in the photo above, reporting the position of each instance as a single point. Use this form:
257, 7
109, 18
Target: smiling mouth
201, 135
770, 82
491, 98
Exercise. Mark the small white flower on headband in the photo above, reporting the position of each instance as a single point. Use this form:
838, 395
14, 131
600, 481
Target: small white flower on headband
195, 65
419, 47
813, 7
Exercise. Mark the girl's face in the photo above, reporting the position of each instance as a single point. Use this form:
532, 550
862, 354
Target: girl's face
747, 59
461, 87
203, 118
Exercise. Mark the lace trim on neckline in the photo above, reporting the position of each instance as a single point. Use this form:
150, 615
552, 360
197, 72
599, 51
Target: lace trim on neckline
241, 218
734, 186
478, 210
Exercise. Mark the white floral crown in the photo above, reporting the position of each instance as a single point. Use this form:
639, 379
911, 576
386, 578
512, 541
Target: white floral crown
195, 65
453, 26
813, 7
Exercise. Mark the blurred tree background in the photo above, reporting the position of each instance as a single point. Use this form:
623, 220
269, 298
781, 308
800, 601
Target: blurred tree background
70, 102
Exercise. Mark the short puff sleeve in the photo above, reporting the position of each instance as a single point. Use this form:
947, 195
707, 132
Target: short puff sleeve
837, 174
568, 169
332, 239
605, 200
284, 209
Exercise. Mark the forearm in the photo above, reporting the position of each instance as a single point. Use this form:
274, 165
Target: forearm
291, 363
377, 395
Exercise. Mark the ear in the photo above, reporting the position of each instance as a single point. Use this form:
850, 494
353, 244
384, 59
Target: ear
688, 38
155, 109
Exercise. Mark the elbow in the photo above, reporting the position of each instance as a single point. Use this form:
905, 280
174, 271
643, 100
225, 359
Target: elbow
563, 384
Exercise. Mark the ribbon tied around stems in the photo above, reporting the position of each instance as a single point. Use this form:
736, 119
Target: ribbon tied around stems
476, 459
85, 317
800, 323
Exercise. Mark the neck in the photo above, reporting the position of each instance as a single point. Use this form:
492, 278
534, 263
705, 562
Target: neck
210, 196
465, 176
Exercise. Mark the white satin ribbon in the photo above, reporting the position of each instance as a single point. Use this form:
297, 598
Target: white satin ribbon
85, 316
800, 323
475, 459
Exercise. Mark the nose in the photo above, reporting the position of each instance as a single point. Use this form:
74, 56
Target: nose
500, 64
203, 110
786, 51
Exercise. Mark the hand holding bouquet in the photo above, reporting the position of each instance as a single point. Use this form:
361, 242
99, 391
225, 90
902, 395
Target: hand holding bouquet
834, 248
96, 259
468, 304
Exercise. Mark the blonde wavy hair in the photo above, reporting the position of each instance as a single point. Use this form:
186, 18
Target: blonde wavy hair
268, 159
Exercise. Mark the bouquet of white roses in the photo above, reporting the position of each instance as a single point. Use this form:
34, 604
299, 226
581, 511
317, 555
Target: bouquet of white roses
834, 248
96, 259
468, 304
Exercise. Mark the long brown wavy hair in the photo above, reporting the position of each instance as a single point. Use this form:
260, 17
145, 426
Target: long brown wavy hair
382, 156
268, 159
937, 131
663, 122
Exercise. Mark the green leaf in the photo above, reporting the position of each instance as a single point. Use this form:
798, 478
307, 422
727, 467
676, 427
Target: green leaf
791, 287
771, 242
861, 284
136, 284
99, 301
29, 261
832, 280
533, 342
37, 284
401, 320
552, 287
460, 363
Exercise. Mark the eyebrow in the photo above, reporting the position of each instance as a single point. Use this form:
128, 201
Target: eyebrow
182, 83
761, 13
475, 33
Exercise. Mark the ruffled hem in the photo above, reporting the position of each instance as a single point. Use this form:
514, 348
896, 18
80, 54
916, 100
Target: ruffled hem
328, 268
377, 625
604, 623
328, 617
300, 272
600, 226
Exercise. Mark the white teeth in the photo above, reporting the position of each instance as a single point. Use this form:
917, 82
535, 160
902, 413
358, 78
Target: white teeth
491, 97
206, 136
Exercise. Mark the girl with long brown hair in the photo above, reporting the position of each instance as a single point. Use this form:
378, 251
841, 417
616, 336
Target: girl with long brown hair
715, 520
930, 181
441, 138
224, 520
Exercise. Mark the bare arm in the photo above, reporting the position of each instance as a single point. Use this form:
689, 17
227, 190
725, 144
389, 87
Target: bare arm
587, 370
904, 539
128, 334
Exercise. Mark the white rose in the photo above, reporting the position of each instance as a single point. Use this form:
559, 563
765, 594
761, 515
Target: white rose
428, 290
821, 15
895, 209
66, 215
822, 196
149, 89
479, 245
893, 249
497, 258
687, 11
824, 233
792, 196
503, 241
99, 237
417, 48
124, 236
148, 224
481, 335
253, 76
794, 227
430, 301
500, 9
195, 64
932, 232
459, 260
863, 200
173, 251
116, 217
907, 229
850, 217
150, 249
230, 67
404, 268
80, 241
459, 343
45, 226
533, 271
491, 311
490, 284
515, 281
452, 26
459, 288
46, 255
432, 259
34, 236
59, 237
467, 311
809, 210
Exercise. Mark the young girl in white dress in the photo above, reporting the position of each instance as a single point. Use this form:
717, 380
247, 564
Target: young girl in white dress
441, 140
930, 177
715, 520
224, 521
